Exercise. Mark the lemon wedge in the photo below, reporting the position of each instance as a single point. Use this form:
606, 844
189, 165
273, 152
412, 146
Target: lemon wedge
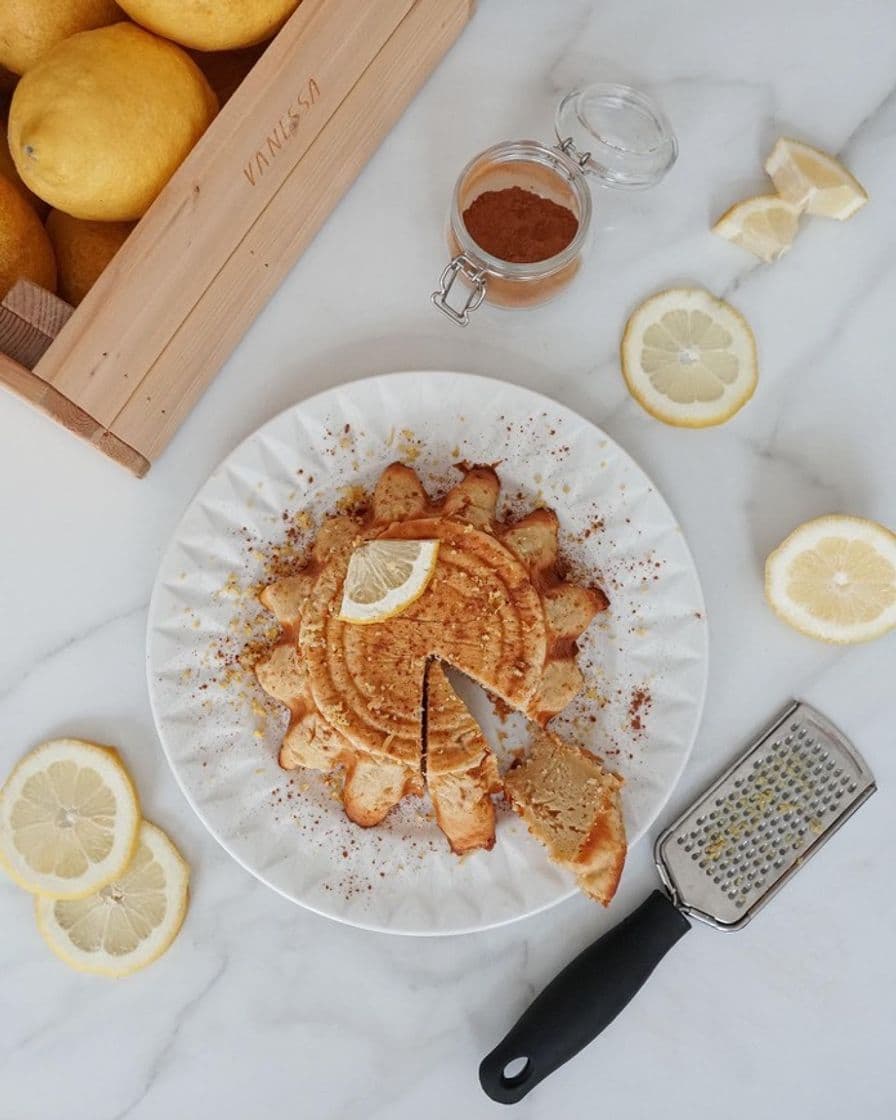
814, 181
385, 577
68, 819
688, 358
128, 923
834, 578
765, 225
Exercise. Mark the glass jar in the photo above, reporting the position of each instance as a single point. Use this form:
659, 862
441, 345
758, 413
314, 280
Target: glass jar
612, 133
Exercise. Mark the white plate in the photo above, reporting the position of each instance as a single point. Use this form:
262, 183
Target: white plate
645, 661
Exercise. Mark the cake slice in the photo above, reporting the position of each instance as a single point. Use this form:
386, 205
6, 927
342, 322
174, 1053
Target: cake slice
461, 771
571, 804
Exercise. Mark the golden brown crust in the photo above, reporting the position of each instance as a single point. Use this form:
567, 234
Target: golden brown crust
398, 496
569, 608
285, 597
602, 856
534, 540
282, 674
312, 743
373, 787
475, 497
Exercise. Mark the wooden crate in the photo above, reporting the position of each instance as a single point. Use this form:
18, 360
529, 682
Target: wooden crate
132, 360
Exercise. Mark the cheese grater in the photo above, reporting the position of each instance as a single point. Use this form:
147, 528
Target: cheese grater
786, 795
720, 862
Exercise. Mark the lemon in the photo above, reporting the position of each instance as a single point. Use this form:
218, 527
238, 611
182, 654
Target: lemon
128, 923
101, 122
385, 577
214, 26
68, 819
28, 28
765, 225
83, 249
25, 249
8, 168
688, 358
834, 578
814, 181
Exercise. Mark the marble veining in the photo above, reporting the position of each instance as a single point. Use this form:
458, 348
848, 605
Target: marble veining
263, 1008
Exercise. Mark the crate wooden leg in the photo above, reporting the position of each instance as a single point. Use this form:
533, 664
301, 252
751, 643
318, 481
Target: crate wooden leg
30, 318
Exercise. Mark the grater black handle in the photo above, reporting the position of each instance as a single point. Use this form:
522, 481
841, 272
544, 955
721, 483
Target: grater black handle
583, 999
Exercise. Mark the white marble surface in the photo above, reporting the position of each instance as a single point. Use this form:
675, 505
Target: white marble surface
262, 1008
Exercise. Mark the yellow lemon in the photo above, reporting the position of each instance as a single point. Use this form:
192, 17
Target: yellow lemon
68, 819
688, 358
83, 249
385, 577
212, 27
25, 249
8, 168
834, 578
98, 125
28, 28
765, 225
814, 181
128, 923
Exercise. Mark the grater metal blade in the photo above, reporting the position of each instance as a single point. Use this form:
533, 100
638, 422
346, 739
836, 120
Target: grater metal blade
786, 795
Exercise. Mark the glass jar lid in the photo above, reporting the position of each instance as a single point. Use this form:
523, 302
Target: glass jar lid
616, 133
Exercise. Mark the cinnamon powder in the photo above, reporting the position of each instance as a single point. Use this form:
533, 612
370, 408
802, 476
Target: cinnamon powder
638, 707
519, 226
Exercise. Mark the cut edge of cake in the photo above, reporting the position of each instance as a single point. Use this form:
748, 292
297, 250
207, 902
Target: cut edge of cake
461, 771
572, 805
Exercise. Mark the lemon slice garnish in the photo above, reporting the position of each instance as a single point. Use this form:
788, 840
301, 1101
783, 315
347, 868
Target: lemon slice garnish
128, 923
688, 358
834, 578
814, 181
68, 819
385, 577
765, 225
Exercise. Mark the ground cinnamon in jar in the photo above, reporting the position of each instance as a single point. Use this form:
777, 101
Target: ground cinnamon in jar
519, 226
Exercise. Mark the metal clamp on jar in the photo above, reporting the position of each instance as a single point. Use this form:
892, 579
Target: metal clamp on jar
612, 132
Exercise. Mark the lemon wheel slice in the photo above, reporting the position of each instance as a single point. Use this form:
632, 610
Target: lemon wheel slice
385, 577
834, 578
688, 358
128, 923
68, 819
814, 181
765, 225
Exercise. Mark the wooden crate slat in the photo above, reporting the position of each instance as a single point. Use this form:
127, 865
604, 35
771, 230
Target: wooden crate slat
49, 400
269, 250
176, 251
